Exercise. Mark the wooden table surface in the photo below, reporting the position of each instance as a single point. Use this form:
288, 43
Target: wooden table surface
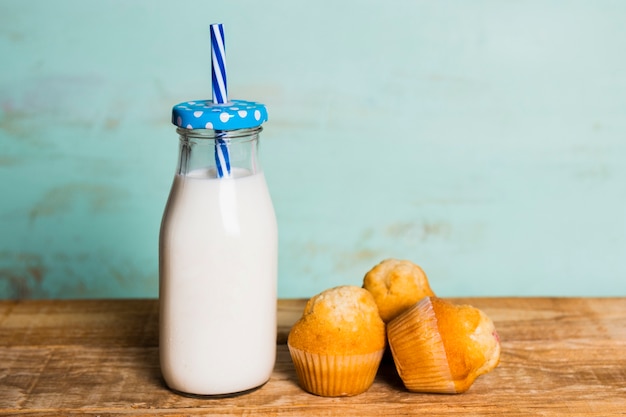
560, 356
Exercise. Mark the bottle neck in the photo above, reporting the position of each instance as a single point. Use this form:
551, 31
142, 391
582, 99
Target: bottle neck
218, 154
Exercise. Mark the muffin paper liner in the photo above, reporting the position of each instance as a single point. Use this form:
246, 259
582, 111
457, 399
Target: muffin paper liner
418, 350
335, 375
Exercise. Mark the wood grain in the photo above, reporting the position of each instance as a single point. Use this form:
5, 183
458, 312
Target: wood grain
561, 356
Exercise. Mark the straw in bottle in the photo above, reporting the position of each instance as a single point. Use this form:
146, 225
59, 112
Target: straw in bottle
220, 93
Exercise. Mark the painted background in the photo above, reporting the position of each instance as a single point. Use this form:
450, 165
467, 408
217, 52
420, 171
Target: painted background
484, 140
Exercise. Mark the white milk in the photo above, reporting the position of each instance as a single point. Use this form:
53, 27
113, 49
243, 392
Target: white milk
218, 272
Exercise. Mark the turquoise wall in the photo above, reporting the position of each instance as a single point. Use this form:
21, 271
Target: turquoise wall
484, 140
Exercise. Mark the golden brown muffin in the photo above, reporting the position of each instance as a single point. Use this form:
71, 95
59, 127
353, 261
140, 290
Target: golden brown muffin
396, 285
441, 347
337, 344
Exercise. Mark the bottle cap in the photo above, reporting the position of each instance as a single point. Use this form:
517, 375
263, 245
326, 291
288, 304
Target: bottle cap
205, 114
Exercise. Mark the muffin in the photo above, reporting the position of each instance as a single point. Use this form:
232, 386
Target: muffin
396, 285
441, 347
337, 344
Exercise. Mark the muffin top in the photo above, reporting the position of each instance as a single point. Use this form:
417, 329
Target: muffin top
396, 285
470, 340
339, 321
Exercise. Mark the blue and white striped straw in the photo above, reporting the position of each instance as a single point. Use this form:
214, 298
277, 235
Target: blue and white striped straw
220, 93
222, 159
218, 64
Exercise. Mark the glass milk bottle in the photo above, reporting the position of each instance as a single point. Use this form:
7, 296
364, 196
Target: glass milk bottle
218, 255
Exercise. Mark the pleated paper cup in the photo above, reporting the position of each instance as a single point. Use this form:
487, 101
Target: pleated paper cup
418, 350
335, 375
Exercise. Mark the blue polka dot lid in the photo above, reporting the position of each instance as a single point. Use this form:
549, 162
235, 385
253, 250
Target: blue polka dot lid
205, 114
